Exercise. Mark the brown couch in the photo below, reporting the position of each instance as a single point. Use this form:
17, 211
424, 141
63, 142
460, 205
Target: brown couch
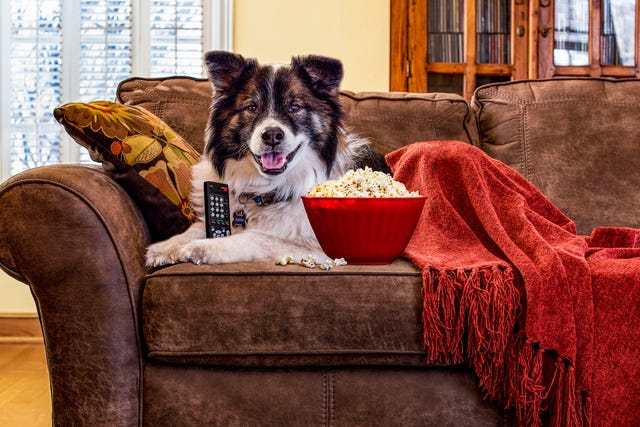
260, 344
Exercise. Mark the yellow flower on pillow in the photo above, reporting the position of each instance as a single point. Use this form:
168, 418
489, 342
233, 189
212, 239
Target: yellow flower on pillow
137, 149
175, 188
177, 164
177, 150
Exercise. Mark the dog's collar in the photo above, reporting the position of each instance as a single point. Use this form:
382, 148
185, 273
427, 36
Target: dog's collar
263, 199
240, 217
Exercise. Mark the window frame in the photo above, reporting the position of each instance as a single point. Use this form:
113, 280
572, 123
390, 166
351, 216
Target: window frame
217, 26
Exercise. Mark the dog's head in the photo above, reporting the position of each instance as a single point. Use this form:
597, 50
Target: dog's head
273, 119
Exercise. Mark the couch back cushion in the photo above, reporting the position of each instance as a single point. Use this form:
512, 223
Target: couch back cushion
181, 102
577, 140
393, 119
389, 120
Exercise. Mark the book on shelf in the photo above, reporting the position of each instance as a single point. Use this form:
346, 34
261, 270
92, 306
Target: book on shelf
445, 31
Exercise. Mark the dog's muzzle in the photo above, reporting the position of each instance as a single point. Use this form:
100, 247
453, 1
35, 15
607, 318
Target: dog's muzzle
273, 161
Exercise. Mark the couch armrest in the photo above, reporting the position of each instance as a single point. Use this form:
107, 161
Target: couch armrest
75, 237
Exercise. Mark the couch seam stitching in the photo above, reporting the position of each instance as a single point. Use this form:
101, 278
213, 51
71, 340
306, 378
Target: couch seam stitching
331, 399
324, 398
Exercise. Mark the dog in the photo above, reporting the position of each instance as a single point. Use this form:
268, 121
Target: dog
274, 132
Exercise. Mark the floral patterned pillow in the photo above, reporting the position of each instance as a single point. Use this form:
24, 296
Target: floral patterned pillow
149, 160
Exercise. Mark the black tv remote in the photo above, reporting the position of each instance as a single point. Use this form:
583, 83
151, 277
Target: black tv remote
217, 216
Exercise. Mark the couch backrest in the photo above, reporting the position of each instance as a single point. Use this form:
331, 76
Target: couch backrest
181, 102
389, 120
394, 119
577, 140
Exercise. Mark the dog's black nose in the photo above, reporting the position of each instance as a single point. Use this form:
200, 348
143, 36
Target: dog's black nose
272, 136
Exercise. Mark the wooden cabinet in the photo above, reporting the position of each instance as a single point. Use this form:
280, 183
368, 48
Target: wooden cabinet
458, 45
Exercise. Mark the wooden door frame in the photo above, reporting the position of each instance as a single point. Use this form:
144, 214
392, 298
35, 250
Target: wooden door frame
408, 53
398, 70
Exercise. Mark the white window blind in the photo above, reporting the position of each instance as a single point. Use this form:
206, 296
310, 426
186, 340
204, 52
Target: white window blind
105, 47
57, 51
176, 38
34, 67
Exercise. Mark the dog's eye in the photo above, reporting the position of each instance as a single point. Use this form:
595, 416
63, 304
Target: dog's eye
295, 107
251, 107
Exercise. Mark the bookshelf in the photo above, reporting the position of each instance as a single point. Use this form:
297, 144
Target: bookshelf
458, 45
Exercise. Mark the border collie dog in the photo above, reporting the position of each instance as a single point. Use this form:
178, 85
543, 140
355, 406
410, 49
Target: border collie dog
274, 132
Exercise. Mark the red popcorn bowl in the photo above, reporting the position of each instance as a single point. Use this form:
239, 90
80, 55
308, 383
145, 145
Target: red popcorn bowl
363, 230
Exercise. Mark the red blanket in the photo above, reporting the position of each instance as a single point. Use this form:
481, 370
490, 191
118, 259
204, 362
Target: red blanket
614, 258
507, 286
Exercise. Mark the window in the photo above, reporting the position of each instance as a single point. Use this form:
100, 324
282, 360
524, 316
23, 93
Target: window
57, 51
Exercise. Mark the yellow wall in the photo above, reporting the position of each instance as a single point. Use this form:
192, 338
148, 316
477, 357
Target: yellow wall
354, 31
15, 297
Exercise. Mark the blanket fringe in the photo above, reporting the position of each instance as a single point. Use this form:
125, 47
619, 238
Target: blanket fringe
568, 407
525, 390
470, 316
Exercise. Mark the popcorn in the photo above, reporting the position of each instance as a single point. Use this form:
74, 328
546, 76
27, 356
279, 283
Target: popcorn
327, 265
362, 183
310, 261
284, 260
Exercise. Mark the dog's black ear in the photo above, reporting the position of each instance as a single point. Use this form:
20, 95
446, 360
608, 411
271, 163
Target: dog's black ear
223, 69
325, 74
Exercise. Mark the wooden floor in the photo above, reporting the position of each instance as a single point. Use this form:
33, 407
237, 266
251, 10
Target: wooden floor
25, 399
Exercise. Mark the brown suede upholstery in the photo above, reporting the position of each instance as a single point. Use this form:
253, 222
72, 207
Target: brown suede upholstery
577, 140
345, 396
260, 344
78, 240
332, 318
392, 120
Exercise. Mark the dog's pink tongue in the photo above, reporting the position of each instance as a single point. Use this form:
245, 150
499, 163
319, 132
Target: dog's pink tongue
273, 160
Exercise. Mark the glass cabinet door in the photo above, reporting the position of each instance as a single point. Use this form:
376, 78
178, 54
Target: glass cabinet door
445, 46
445, 31
458, 45
493, 31
618, 38
571, 33
588, 38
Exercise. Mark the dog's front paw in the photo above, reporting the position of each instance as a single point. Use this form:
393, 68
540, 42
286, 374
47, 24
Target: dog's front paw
163, 253
199, 251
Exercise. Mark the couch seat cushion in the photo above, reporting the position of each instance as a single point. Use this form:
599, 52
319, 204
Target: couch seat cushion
260, 314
